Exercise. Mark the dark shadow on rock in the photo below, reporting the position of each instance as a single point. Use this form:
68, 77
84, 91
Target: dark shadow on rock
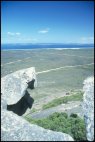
21, 106
31, 84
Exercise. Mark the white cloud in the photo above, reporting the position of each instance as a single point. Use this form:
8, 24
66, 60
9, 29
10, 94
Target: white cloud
17, 37
44, 31
11, 34
18, 33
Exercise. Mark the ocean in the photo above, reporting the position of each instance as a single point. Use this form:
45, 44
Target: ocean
45, 46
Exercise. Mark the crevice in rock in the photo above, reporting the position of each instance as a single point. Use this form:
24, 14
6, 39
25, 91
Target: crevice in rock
22, 105
31, 84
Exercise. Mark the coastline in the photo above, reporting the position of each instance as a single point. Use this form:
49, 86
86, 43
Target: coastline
47, 49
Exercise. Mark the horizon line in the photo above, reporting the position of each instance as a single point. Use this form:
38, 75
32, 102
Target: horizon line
51, 43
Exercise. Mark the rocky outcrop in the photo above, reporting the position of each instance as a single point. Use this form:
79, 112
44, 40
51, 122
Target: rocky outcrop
14, 95
15, 128
22, 105
14, 85
15, 99
13, 88
88, 107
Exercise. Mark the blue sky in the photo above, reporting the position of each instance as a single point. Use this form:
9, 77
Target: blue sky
47, 22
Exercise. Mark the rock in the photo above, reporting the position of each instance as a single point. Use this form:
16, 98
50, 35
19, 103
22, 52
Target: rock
14, 85
31, 84
3, 102
13, 90
15, 128
88, 107
22, 105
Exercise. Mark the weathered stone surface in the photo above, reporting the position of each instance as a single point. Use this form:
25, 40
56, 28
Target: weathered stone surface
3, 102
22, 105
88, 107
15, 128
14, 85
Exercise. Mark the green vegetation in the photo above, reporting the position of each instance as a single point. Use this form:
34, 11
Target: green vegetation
72, 125
34, 110
74, 97
73, 115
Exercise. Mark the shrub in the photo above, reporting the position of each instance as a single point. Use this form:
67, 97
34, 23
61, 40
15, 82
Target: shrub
76, 96
78, 130
61, 122
73, 115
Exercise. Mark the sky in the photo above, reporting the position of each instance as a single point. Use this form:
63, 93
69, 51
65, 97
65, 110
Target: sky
47, 22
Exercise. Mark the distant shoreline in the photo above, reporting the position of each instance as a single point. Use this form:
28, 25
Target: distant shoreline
48, 48
45, 46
